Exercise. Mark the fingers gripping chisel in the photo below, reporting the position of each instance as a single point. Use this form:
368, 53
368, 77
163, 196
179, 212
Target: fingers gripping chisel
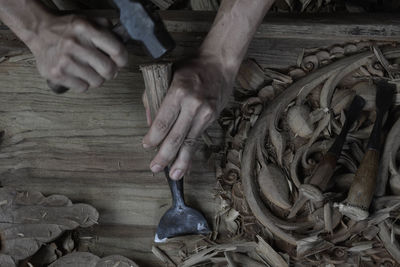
142, 26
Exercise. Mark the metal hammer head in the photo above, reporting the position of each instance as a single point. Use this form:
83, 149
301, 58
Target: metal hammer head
145, 28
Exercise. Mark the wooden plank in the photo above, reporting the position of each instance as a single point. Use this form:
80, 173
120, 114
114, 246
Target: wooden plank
349, 27
272, 47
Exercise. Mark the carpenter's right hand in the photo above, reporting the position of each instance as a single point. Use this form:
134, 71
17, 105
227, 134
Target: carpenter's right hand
72, 52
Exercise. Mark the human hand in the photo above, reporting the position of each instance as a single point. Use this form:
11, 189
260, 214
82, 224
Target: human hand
199, 91
72, 52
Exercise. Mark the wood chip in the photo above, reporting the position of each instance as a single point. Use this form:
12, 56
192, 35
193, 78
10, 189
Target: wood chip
162, 256
208, 253
269, 254
229, 259
21, 58
381, 58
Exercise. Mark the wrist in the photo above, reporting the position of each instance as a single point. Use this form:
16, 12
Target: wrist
31, 34
24, 18
229, 65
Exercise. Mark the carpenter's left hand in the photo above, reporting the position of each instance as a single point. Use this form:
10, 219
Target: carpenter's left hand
199, 91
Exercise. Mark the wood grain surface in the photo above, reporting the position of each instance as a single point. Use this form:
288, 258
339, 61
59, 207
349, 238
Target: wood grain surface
88, 146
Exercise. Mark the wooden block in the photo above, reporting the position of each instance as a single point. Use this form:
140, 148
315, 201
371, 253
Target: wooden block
157, 78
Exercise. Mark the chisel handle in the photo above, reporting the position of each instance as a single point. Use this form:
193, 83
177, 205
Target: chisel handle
363, 187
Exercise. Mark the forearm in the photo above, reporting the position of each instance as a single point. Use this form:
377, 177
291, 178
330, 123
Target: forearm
23, 17
233, 29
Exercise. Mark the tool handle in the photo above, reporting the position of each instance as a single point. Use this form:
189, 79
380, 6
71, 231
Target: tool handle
176, 188
352, 115
375, 137
337, 146
363, 187
326, 167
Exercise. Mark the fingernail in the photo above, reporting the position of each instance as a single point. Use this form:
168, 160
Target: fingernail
177, 174
115, 75
156, 168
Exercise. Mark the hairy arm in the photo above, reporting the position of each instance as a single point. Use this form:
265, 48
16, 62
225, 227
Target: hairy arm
69, 50
201, 86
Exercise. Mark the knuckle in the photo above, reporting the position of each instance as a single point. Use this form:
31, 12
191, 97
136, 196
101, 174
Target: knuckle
119, 51
64, 61
109, 70
184, 161
56, 72
208, 113
161, 126
180, 92
176, 139
79, 24
196, 101
70, 43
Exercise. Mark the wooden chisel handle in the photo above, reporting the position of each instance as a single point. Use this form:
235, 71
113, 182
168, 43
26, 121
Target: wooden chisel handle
362, 189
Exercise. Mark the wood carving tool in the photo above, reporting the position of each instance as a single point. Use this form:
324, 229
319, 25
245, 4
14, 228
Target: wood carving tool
179, 219
325, 168
362, 189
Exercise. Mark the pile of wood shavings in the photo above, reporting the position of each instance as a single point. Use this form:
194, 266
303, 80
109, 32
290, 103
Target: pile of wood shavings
292, 119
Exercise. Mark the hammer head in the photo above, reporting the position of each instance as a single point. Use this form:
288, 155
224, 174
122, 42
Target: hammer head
143, 27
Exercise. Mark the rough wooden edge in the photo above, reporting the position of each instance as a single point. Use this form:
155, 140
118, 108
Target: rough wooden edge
157, 78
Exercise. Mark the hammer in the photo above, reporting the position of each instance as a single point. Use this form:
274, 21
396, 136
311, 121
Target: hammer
141, 26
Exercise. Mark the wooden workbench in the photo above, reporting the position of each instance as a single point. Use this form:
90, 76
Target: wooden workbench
88, 146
